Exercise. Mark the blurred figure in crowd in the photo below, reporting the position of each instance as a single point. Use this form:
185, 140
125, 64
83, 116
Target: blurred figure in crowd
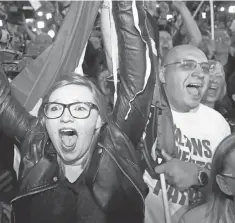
221, 50
222, 46
167, 41
217, 85
38, 43
216, 95
220, 206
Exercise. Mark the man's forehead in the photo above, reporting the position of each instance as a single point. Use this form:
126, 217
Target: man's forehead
186, 53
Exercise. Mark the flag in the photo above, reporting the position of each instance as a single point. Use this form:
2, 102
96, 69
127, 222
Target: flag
59, 59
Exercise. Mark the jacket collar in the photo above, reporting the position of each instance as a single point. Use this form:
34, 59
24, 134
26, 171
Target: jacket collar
39, 176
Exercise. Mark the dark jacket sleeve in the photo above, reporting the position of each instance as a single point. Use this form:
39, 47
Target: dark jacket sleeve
14, 119
135, 57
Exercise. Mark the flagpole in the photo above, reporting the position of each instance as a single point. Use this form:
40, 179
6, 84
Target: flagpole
212, 20
163, 185
113, 49
198, 8
165, 199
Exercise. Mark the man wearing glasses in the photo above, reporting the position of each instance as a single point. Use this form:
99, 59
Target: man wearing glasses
198, 130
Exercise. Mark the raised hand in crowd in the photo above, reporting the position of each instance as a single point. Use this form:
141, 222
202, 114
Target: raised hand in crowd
190, 25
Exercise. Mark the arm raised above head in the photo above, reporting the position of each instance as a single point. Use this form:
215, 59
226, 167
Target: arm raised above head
14, 119
137, 66
191, 26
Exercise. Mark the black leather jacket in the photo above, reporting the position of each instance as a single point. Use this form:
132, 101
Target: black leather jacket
114, 177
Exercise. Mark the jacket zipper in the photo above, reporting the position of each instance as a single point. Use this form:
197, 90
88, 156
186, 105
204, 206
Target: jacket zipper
35, 192
125, 175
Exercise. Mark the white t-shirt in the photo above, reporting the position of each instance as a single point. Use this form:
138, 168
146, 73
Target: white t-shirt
197, 134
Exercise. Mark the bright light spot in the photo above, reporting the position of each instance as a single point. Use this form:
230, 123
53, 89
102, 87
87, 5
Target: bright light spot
40, 13
40, 24
169, 17
1, 24
157, 5
51, 33
49, 15
231, 9
27, 8
28, 20
222, 9
34, 29
203, 15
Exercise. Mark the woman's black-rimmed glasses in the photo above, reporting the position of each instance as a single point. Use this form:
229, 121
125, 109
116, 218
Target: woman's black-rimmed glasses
79, 110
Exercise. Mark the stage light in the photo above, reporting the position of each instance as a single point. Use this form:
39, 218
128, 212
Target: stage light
157, 5
169, 16
40, 24
1, 24
28, 20
203, 15
49, 15
27, 8
231, 9
40, 13
51, 33
222, 9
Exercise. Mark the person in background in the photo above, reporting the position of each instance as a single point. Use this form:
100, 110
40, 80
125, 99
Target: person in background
220, 50
217, 85
220, 206
167, 41
38, 43
216, 95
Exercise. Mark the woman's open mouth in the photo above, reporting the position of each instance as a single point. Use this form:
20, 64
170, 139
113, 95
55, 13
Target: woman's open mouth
212, 90
68, 138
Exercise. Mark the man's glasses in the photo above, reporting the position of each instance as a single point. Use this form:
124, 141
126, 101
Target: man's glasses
80, 110
191, 65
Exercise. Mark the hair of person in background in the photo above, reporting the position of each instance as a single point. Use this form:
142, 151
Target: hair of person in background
217, 197
222, 45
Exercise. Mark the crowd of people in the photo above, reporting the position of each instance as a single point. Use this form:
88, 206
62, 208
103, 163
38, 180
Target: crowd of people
162, 151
